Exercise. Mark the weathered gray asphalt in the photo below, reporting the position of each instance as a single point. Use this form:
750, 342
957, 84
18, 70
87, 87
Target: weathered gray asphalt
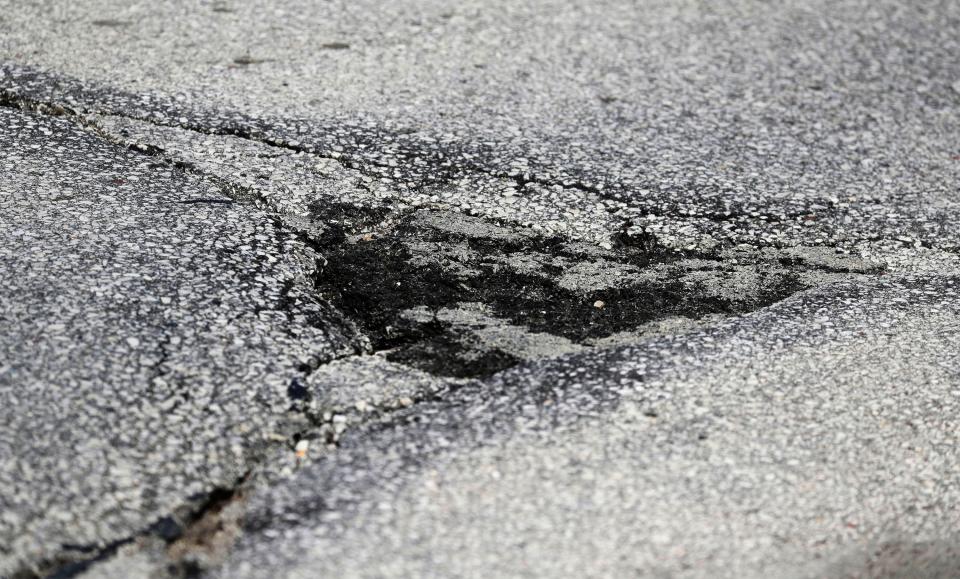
148, 339
607, 289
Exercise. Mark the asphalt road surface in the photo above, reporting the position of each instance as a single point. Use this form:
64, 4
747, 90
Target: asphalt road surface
657, 288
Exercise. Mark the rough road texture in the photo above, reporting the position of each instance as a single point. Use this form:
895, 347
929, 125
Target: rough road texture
486, 289
150, 332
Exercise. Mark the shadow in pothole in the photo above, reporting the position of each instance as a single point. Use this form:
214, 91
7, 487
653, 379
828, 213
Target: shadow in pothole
403, 279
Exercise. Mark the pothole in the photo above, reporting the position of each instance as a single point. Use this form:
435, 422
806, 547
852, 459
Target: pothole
463, 296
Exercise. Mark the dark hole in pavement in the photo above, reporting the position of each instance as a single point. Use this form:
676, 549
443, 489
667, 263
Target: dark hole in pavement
433, 262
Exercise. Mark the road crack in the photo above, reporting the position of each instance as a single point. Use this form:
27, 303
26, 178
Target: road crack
453, 297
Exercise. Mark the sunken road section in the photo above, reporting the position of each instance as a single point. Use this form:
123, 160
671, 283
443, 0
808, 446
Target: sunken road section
465, 297
434, 290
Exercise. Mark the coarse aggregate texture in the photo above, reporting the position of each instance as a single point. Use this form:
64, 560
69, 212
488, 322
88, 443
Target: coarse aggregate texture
775, 443
148, 341
292, 181
539, 288
362, 382
812, 121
